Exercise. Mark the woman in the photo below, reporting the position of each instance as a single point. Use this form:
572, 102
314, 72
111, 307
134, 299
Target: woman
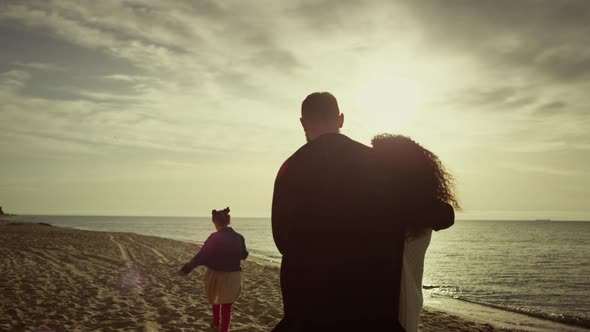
428, 188
221, 254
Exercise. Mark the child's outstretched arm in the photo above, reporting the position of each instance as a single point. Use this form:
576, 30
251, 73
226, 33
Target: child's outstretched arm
199, 259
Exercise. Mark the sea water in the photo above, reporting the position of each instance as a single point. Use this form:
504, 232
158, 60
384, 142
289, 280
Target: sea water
538, 268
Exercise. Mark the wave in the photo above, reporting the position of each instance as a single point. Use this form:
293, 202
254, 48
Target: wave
560, 318
555, 317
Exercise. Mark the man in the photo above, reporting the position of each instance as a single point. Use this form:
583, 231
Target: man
336, 221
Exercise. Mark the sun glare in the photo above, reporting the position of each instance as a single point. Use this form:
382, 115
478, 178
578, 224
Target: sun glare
388, 103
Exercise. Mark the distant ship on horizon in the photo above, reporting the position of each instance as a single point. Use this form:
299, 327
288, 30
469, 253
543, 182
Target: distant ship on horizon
542, 219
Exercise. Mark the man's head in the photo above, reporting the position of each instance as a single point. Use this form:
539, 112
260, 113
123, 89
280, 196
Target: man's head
320, 115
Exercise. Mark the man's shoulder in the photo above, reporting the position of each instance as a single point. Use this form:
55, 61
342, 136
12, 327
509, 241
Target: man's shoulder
296, 158
329, 142
309, 153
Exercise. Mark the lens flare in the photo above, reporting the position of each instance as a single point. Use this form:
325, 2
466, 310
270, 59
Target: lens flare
130, 279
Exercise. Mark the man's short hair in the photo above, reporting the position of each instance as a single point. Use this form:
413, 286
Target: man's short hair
320, 107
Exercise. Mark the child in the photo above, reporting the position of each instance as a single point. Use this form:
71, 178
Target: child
221, 254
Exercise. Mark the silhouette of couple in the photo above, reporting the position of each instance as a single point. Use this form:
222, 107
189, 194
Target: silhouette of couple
353, 224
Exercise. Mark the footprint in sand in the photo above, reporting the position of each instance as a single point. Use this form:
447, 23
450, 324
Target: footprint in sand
132, 278
161, 258
123, 250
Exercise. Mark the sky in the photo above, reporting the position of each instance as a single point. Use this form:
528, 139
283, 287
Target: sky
177, 107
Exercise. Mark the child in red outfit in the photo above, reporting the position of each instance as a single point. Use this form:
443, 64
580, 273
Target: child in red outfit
221, 254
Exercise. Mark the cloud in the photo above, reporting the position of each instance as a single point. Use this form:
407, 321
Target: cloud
527, 168
545, 38
92, 119
507, 99
132, 78
141, 54
99, 122
542, 146
12, 81
347, 17
503, 98
154, 75
176, 35
551, 108
76, 93
582, 146
39, 66
276, 58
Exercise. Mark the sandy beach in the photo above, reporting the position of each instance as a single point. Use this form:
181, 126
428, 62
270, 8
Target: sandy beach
60, 279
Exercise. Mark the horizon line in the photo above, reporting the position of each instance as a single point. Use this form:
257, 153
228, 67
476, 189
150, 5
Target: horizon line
266, 217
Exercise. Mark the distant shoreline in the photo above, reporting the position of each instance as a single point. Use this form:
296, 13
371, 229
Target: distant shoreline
25, 215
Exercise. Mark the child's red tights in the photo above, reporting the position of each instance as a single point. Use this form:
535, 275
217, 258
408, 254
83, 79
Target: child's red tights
225, 310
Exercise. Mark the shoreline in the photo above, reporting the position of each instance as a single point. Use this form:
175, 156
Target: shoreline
501, 318
261, 280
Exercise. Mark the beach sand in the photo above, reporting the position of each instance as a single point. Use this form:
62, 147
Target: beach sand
59, 279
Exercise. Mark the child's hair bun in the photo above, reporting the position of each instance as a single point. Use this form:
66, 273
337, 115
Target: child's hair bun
224, 211
221, 217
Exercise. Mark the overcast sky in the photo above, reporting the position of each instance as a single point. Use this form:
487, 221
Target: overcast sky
178, 107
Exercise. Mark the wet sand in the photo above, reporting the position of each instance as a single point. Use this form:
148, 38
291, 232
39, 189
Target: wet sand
60, 279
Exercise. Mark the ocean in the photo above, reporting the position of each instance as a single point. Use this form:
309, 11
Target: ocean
536, 268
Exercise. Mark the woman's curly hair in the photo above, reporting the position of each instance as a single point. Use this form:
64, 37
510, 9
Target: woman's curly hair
421, 169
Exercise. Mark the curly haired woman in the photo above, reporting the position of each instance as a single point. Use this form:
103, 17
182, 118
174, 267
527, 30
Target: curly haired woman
427, 182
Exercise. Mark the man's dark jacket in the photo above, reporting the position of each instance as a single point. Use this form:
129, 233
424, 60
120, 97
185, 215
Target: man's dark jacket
336, 219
